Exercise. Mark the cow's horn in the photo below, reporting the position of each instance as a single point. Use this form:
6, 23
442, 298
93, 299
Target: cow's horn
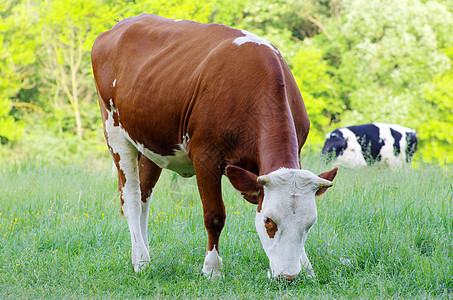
323, 183
264, 179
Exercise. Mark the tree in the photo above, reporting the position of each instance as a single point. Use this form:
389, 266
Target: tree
318, 90
391, 48
384, 53
69, 28
355, 61
436, 110
17, 59
175, 9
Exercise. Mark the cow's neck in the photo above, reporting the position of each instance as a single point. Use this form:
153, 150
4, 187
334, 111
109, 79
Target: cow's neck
278, 146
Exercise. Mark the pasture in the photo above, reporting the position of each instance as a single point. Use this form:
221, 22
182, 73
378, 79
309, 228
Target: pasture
379, 234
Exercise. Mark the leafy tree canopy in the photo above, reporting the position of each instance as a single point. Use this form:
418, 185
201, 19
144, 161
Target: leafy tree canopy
355, 61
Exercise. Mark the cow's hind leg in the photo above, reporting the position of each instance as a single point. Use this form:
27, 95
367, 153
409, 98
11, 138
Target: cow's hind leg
149, 173
125, 156
131, 203
208, 179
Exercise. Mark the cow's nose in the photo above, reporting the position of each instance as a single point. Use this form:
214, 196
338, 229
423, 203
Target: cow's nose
289, 278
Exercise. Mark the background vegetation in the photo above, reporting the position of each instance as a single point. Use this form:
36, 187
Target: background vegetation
355, 61
380, 234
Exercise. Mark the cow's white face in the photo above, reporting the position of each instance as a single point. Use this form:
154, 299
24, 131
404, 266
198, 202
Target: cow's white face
288, 212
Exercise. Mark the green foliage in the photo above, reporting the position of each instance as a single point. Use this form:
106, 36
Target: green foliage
228, 12
69, 29
437, 111
355, 61
317, 87
392, 49
384, 53
10, 129
17, 59
265, 18
174, 9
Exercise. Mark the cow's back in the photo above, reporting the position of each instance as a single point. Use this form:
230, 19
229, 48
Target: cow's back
171, 79
147, 67
151, 47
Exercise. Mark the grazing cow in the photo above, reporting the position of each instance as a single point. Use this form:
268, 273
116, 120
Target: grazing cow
207, 100
357, 146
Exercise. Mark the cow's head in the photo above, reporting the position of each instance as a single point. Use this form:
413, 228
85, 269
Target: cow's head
342, 146
286, 212
334, 145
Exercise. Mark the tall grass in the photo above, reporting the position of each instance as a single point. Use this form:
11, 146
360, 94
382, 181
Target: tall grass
379, 234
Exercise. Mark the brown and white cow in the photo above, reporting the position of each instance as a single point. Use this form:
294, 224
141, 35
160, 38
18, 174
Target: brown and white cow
207, 100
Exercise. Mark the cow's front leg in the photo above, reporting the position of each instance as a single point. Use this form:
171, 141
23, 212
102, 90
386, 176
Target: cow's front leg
208, 179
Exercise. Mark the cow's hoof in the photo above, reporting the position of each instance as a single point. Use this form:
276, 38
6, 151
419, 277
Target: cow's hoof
140, 260
212, 265
214, 275
305, 274
138, 267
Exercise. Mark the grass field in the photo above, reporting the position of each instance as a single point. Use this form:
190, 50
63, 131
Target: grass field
379, 234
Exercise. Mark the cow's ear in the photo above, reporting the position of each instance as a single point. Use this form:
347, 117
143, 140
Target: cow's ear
329, 175
245, 182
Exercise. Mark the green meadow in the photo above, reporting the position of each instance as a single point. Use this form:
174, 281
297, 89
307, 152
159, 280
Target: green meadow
380, 234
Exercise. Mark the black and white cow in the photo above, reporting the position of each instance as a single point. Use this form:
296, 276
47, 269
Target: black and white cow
362, 145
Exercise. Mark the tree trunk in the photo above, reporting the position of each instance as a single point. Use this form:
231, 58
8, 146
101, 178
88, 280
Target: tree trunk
78, 121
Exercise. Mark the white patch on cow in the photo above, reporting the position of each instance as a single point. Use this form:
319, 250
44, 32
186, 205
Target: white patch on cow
178, 20
185, 141
253, 38
331, 134
127, 152
386, 137
387, 153
212, 266
119, 143
352, 156
289, 200
396, 127
179, 162
112, 107
114, 83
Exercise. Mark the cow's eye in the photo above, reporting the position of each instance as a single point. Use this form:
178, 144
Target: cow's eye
271, 227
